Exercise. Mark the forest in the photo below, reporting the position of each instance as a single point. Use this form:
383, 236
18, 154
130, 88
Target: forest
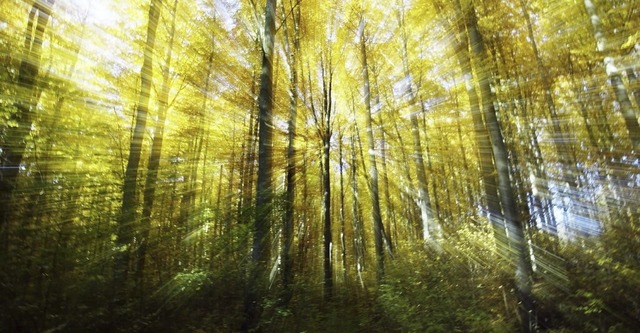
320, 166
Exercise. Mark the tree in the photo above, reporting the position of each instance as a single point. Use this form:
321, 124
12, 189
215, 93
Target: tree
561, 141
155, 155
615, 76
426, 213
373, 169
264, 192
359, 245
292, 49
322, 114
254, 201
484, 151
510, 212
130, 187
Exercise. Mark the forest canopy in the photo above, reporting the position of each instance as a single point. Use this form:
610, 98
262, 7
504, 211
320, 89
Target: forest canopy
319, 166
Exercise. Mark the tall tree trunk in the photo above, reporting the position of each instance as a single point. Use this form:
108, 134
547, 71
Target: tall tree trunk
584, 108
184, 211
343, 242
191, 191
615, 77
129, 190
303, 228
561, 143
510, 212
358, 232
413, 229
14, 145
287, 232
264, 192
483, 142
154, 159
543, 205
228, 217
326, 133
387, 239
322, 118
248, 159
326, 216
465, 164
391, 219
373, 169
426, 213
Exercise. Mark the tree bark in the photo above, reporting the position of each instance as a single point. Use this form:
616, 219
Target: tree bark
373, 169
426, 212
560, 141
483, 142
358, 232
154, 159
248, 158
615, 77
129, 190
510, 212
287, 232
264, 192
343, 242
411, 211
326, 216
391, 219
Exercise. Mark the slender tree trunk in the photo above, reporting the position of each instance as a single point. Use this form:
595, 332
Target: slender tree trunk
303, 225
230, 187
426, 213
358, 232
182, 223
560, 141
322, 118
219, 227
343, 243
413, 229
390, 218
387, 195
327, 104
243, 169
603, 116
483, 142
535, 158
287, 232
615, 77
326, 215
154, 159
577, 90
373, 169
248, 159
264, 192
129, 190
434, 203
507, 194
465, 164
191, 191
